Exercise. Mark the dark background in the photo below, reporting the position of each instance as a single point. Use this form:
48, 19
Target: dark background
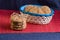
15, 4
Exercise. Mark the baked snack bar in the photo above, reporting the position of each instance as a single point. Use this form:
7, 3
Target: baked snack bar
17, 21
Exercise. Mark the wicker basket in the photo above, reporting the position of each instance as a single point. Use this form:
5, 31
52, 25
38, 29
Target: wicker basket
37, 18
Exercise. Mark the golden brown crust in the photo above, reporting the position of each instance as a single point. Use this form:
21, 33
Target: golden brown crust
46, 9
34, 10
39, 10
28, 8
